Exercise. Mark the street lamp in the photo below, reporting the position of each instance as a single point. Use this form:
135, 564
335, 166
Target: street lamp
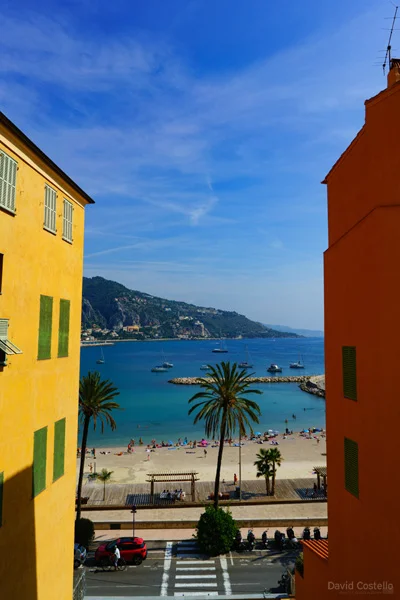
133, 511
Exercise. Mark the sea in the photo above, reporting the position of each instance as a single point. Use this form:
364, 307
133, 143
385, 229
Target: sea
152, 408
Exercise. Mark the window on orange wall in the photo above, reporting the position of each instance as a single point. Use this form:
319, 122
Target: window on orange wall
1, 270
349, 372
351, 466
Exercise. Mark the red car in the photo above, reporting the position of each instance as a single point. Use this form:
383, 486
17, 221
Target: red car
133, 550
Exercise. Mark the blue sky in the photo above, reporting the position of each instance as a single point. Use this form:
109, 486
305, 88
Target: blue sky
203, 130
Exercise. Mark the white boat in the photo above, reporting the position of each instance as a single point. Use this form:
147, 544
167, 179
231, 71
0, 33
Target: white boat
220, 349
204, 368
101, 360
246, 364
165, 363
159, 369
297, 365
273, 368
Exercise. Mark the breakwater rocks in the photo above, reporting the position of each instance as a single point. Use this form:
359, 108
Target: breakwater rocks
302, 379
314, 385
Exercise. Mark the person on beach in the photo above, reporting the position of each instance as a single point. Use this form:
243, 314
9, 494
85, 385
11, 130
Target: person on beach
148, 453
205, 453
90, 467
235, 479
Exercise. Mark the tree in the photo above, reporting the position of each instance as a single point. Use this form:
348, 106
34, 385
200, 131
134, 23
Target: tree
95, 402
216, 531
264, 467
224, 407
105, 477
276, 460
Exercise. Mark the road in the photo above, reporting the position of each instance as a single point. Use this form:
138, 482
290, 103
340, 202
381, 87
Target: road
177, 569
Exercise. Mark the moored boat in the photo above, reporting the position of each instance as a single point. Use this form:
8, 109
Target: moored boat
101, 360
159, 369
273, 368
297, 365
246, 364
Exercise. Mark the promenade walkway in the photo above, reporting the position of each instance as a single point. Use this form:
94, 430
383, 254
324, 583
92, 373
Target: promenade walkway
286, 490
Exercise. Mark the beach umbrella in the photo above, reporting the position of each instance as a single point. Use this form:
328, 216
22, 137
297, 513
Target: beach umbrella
170, 442
257, 433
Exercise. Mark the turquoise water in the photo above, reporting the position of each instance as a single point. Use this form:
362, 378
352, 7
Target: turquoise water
154, 408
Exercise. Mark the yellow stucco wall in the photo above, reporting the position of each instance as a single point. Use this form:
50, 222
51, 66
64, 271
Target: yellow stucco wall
36, 535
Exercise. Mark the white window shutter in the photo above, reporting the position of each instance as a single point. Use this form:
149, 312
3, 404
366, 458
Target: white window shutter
67, 220
8, 179
3, 329
50, 199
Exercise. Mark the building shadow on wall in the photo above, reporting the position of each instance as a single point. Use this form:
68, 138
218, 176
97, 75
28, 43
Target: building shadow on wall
18, 552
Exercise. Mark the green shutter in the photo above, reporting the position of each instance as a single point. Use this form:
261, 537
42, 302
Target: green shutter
39, 461
59, 449
45, 322
1, 497
349, 372
351, 466
63, 330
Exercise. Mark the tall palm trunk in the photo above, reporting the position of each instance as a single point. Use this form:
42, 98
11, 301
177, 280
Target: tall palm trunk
82, 466
273, 477
104, 491
267, 484
219, 462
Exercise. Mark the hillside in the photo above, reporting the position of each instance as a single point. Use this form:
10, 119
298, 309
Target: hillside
302, 332
109, 308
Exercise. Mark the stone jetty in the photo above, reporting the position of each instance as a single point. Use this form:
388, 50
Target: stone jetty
302, 379
314, 385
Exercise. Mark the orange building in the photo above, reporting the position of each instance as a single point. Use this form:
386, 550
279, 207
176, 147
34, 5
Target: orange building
362, 363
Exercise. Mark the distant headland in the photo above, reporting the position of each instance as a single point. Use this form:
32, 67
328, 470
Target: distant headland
110, 311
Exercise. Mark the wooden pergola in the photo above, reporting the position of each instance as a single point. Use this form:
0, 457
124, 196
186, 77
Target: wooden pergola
169, 477
320, 472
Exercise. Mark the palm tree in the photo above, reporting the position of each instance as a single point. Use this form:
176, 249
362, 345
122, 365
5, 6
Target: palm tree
264, 467
105, 477
276, 460
224, 407
95, 401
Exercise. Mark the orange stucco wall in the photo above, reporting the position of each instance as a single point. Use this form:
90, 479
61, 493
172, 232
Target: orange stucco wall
362, 292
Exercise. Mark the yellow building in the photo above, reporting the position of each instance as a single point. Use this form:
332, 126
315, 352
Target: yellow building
41, 255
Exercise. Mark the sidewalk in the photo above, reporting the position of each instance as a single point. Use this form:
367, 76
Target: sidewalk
162, 516
172, 535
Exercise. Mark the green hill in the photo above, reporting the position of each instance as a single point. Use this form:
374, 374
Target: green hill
110, 306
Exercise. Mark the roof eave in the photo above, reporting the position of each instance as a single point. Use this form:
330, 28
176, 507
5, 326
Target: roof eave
52, 165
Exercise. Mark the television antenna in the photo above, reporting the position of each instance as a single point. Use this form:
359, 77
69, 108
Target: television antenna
388, 55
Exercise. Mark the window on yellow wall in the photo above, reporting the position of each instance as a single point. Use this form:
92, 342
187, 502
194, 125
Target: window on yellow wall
59, 449
63, 329
1, 270
67, 220
50, 199
39, 461
1, 497
8, 181
45, 327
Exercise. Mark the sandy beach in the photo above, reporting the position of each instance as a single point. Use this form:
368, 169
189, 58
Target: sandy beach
299, 453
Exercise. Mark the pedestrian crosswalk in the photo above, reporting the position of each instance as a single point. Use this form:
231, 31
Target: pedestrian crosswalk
195, 575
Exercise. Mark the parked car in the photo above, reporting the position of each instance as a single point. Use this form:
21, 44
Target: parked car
79, 555
133, 550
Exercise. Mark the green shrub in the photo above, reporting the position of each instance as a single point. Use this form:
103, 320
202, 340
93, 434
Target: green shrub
216, 531
84, 532
299, 564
